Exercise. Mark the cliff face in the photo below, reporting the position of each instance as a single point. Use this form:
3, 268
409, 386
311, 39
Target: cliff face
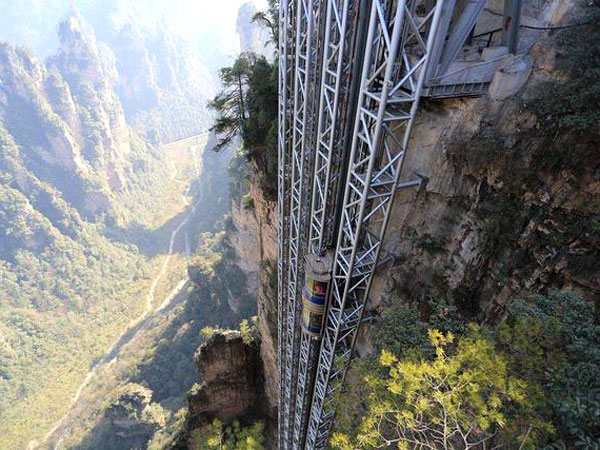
509, 209
68, 121
103, 132
255, 241
231, 375
253, 37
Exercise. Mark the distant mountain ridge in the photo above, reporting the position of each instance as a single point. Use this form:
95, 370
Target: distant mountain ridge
70, 166
162, 83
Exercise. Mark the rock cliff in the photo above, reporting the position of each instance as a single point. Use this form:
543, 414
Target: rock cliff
509, 209
68, 121
231, 379
253, 37
510, 203
254, 239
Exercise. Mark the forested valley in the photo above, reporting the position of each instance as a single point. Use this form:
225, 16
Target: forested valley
106, 177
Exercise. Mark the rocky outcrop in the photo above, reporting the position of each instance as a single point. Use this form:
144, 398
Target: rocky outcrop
134, 417
254, 239
28, 115
231, 380
105, 134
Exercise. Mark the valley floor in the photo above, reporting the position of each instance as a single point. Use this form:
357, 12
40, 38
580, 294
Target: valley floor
71, 389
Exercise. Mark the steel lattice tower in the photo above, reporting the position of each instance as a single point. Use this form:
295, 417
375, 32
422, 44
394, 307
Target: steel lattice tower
285, 87
387, 106
351, 74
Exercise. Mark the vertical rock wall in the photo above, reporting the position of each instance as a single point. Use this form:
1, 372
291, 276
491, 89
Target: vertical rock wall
230, 372
506, 212
255, 242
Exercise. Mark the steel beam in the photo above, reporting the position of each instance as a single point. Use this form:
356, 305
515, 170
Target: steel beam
334, 84
330, 122
511, 20
302, 154
285, 84
440, 42
459, 34
392, 81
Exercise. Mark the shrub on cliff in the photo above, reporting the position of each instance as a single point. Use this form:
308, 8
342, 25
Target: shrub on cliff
574, 100
557, 342
548, 350
464, 398
230, 437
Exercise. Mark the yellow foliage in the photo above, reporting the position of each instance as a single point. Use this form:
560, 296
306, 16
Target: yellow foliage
435, 403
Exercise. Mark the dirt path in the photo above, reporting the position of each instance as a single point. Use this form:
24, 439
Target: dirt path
134, 325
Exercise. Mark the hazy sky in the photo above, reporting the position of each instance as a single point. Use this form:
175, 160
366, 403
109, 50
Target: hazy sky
192, 16
210, 22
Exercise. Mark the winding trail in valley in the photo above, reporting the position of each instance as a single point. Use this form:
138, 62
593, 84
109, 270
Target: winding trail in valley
137, 323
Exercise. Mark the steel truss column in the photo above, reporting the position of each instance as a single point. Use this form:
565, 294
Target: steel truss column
334, 68
306, 60
286, 83
400, 39
331, 121
309, 348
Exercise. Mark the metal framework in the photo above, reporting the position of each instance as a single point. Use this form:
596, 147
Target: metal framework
285, 85
391, 85
331, 121
306, 60
343, 136
334, 87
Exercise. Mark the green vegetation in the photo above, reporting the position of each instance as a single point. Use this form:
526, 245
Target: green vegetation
215, 274
248, 201
248, 330
573, 101
462, 398
65, 295
134, 403
557, 341
247, 107
238, 171
270, 19
176, 117
213, 261
203, 267
87, 207
70, 279
229, 437
400, 328
532, 381
166, 437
